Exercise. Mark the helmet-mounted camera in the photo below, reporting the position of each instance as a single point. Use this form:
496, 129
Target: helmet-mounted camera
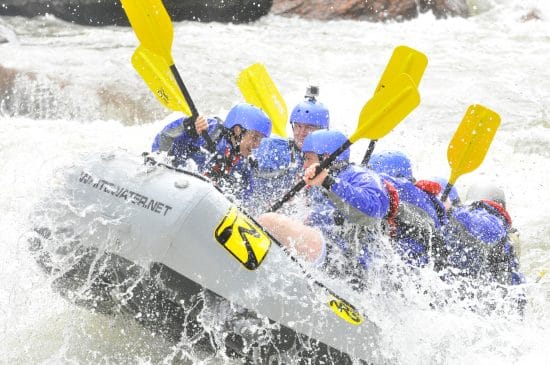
312, 92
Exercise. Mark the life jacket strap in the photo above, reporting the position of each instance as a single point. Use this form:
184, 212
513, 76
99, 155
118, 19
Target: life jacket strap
394, 205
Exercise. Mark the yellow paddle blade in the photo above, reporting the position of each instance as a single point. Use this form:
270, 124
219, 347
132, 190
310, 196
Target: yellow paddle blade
259, 89
156, 73
471, 140
403, 60
152, 26
387, 108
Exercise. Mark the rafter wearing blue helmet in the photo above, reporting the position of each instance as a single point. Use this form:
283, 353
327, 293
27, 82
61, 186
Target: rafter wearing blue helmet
392, 163
417, 226
235, 139
347, 204
308, 116
358, 187
282, 158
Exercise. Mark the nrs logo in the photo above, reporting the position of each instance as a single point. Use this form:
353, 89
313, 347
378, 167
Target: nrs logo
345, 311
243, 239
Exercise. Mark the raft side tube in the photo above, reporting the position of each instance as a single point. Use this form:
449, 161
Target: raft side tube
156, 217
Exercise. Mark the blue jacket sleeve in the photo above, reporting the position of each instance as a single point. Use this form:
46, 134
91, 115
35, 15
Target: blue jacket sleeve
181, 134
156, 146
189, 145
362, 189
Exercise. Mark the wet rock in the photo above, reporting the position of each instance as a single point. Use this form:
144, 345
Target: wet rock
7, 82
44, 96
372, 10
7, 76
109, 12
532, 15
444, 8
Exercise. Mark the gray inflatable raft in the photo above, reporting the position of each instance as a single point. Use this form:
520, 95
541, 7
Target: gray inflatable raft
164, 245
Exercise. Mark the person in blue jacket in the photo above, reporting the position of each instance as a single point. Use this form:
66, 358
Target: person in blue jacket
278, 161
347, 205
226, 162
480, 238
417, 225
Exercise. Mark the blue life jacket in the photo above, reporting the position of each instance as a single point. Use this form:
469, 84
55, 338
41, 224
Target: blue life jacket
277, 167
478, 243
273, 173
159, 140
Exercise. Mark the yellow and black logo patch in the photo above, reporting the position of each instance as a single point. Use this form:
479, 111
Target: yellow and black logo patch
247, 242
345, 311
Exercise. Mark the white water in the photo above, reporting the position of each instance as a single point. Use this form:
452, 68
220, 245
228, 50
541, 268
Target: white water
75, 92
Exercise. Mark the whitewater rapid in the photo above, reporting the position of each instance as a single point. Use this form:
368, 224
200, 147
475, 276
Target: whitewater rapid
69, 90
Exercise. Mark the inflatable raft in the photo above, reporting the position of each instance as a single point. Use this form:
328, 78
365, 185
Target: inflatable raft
126, 234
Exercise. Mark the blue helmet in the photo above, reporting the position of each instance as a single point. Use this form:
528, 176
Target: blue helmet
325, 141
248, 117
310, 112
453, 195
393, 163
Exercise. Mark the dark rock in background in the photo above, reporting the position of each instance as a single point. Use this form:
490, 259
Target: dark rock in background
109, 12
371, 10
444, 8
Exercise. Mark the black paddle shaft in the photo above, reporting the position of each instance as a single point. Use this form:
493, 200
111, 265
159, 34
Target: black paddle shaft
211, 146
446, 192
369, 152
326, 162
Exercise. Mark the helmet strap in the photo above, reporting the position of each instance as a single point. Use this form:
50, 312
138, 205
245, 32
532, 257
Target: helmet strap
237, 138
321, 158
